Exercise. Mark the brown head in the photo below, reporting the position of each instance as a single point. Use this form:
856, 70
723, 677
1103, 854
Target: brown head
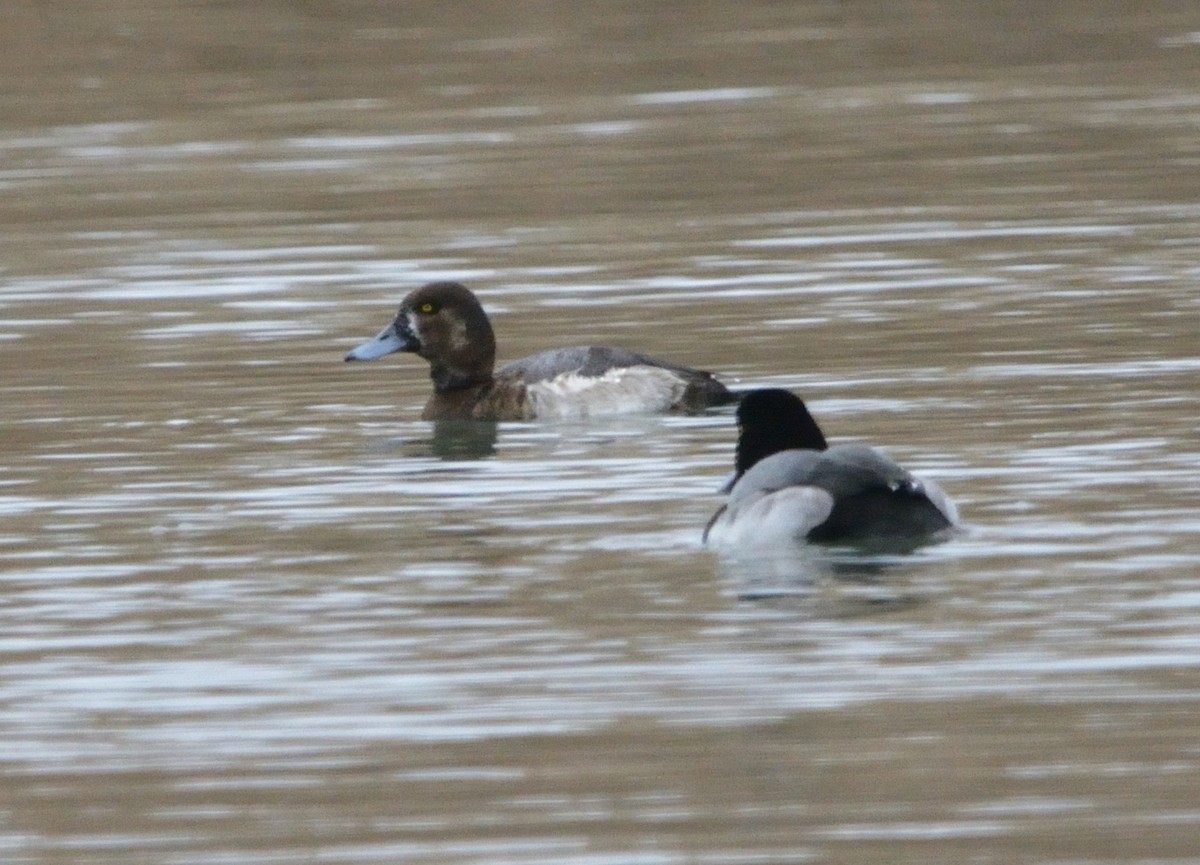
444, 323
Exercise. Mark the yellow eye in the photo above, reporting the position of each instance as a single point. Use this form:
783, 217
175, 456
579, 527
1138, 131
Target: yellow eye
428, 308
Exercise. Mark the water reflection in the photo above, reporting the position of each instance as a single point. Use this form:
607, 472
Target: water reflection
251, 616
828, 581
462, 440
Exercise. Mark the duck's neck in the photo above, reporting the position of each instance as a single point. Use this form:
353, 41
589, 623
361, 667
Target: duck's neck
447, 380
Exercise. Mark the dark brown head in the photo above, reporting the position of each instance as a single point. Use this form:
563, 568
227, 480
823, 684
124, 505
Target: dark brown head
444, 323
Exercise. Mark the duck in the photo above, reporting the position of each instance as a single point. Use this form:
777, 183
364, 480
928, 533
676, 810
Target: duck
444, 323
790, 486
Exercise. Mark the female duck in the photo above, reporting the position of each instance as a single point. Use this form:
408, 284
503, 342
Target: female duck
789, 486
444, 323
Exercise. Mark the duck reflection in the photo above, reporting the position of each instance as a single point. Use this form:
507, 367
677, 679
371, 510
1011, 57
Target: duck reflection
828, 582
463, 439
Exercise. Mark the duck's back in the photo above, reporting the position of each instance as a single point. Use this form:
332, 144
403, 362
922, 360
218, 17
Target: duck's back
580, 359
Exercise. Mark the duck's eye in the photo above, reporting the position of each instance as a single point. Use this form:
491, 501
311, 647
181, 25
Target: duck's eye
428, 308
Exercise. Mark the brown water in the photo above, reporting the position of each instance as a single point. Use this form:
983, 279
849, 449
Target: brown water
253, 611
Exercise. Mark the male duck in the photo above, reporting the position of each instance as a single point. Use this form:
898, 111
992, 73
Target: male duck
444, 323
789, 486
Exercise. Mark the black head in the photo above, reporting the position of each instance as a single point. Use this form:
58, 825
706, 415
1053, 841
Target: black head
773, 420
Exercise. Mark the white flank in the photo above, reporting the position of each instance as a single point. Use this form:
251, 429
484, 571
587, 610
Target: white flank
772, 518
627, 390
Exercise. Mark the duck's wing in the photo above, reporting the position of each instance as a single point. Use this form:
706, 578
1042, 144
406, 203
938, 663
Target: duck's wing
774, 502
854, 469
544, 365
623, 390
876, 501
791, 468
701, 388
581, 360
645, 382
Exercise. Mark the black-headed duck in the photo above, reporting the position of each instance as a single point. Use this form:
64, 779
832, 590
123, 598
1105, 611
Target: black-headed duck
444, 323
789, 486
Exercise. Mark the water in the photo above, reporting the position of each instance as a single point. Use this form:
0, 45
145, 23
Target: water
254, 611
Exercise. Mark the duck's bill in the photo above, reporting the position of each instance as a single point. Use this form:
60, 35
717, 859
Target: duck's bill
389, 340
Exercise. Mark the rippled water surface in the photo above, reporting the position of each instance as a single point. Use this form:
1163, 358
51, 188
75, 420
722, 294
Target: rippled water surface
252, 610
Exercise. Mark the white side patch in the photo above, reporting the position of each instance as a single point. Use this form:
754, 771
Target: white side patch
781, 517
627, 390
